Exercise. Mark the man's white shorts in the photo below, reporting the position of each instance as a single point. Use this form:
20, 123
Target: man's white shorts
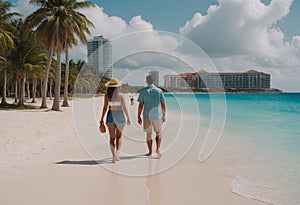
152, 124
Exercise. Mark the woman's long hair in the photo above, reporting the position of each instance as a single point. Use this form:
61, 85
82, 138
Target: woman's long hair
112, 93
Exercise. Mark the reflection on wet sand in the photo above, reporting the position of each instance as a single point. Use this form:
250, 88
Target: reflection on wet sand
153, 183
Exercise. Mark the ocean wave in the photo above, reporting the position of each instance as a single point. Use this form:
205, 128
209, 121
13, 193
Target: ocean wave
260, 192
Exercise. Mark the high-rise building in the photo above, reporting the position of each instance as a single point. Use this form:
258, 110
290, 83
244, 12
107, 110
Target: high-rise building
155, 74
100, 55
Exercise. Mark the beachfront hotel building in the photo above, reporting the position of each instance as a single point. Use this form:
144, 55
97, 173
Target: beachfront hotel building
251, 79
202, 79
182, 81
100, 55
155, 74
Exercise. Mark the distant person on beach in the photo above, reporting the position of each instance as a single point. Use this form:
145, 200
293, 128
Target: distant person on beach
152, 104
115, 118
131, 100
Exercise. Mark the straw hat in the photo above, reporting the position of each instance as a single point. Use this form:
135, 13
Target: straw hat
114, 82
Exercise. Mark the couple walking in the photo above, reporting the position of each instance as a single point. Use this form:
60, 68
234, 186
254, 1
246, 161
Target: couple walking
151, 104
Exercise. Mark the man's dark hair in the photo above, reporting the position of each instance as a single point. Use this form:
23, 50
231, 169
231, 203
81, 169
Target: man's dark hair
150, 79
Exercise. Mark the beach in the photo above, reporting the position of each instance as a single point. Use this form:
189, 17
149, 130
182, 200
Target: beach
45, 161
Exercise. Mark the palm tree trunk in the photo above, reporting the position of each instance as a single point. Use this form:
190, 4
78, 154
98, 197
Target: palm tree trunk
65, 102
34, 89
55, 105
11, 90
45, 84
3, 101
22, 93
24, 88
27, 88
19, 89
50, 89
16, 91
41, 88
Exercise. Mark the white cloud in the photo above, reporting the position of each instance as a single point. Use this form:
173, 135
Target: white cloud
113, 27
143, 38
237, 34
239, 27
137, 23
243, 34
109, 26
296, 42
23, 7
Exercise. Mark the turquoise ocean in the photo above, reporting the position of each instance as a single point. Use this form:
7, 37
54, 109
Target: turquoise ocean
260, 144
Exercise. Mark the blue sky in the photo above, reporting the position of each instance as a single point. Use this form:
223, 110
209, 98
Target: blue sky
169, 15
237, 35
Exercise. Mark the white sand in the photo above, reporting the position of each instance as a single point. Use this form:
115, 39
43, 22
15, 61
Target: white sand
43, 162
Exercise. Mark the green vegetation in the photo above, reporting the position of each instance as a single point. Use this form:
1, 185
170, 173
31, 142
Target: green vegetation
59, 25
30, 62
30, 55
17, 107
130, 89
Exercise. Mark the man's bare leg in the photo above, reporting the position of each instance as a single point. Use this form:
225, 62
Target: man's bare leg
158, 143
149, 143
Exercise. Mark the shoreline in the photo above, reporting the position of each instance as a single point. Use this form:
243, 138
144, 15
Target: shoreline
237, 93
43, 155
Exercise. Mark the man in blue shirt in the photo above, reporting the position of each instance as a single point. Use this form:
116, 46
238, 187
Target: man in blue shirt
152, 104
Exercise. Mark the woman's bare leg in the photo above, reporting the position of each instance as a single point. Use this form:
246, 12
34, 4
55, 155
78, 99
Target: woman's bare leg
112, 137
118, 140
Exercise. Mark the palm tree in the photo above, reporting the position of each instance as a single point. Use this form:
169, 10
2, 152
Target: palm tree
34, 73
77, 24
6, 34
55, 23
52, 79
43, 23
3, 68
25, 57
87, 81
6, 29
73, 73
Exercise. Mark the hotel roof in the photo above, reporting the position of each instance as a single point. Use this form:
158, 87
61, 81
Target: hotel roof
230, 73
203, 72
180, 75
